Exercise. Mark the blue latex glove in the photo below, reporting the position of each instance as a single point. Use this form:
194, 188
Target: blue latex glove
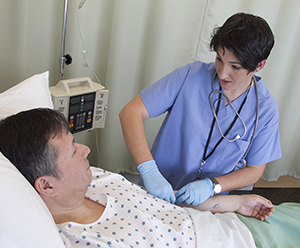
155, 183
195, 192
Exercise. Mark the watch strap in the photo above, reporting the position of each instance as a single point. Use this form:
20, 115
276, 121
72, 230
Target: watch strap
217, 186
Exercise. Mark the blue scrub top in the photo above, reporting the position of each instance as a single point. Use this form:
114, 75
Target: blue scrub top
179, 145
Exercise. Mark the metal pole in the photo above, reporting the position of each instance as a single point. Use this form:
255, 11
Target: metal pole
62, 58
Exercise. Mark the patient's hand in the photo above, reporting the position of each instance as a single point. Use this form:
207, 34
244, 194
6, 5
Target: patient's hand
248, 205
255, 206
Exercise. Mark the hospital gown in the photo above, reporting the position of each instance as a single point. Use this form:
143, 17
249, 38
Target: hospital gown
134, 218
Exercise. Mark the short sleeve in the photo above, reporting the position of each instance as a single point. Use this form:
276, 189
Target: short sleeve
160, 96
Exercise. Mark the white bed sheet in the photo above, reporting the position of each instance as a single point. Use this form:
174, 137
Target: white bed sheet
221, 230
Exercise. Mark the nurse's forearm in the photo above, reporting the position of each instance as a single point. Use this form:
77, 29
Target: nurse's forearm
132, 117
241, 178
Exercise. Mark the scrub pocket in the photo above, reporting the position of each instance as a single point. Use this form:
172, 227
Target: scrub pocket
231, 154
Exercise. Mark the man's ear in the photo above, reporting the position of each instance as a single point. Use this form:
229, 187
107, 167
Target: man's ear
44, 186
260, 65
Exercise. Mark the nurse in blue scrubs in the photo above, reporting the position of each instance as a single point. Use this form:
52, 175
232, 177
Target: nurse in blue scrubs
222, 123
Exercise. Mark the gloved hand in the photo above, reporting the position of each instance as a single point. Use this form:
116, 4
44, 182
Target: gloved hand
155, 183
195, 192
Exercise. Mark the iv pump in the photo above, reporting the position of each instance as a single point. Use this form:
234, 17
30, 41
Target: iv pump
82, 102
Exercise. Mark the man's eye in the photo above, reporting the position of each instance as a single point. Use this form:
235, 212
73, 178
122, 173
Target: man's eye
74, 146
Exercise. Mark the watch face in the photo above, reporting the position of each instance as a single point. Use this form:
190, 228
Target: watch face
217, 188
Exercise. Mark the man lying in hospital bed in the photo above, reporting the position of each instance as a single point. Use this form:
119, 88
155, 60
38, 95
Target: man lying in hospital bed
110, 211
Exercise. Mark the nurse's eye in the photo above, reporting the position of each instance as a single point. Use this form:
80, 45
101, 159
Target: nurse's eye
219, 59
236, 67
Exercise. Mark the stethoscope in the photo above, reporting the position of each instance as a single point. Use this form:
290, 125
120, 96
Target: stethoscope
242, 163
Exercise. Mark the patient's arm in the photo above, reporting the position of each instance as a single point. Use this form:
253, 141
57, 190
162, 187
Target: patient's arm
249, 205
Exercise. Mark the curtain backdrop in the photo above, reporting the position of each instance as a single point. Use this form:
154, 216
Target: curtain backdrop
129, 44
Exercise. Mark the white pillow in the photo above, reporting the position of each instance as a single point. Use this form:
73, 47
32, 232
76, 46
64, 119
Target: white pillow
25, 221
30, 93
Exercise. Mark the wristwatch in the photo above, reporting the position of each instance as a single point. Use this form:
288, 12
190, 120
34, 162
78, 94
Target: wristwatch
217, 186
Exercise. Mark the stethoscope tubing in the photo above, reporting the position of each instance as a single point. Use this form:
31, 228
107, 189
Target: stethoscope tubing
243, 160
236, 112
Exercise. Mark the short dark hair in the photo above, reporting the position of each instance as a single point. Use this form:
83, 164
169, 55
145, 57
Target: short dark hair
24, 140
247, 36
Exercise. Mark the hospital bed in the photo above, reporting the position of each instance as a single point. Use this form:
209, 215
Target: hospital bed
25, 220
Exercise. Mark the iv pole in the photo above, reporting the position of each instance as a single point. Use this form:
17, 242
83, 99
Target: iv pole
64, 58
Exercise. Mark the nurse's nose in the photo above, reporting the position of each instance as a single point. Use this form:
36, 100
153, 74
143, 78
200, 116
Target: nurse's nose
223, 72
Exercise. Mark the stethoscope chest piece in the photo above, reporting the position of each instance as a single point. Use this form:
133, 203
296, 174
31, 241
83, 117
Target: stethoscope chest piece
241, 164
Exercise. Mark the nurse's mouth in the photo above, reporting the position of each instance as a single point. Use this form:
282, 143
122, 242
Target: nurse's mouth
225, 82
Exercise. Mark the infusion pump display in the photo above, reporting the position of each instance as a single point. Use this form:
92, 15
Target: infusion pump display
82, 102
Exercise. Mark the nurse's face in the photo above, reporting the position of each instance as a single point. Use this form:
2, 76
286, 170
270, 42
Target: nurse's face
234, 78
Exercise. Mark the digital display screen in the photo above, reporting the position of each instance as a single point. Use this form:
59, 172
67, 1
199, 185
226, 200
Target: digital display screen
75, 99
88, 106
89, 97
74, 109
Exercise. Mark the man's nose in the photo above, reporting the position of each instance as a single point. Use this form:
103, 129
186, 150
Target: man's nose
85, 150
